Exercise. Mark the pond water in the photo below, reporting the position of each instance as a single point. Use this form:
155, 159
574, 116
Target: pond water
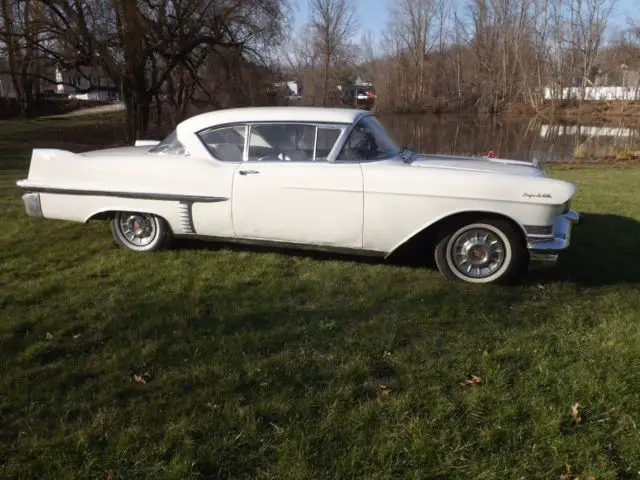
516, 138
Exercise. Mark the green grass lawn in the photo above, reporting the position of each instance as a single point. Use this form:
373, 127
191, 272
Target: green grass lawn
270, 364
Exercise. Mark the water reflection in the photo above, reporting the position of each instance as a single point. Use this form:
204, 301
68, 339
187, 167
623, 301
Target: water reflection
517, 138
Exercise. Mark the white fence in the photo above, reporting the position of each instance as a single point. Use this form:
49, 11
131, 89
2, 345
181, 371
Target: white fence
592, 93
588, 131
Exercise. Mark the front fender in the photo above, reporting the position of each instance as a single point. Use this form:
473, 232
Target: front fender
435, 222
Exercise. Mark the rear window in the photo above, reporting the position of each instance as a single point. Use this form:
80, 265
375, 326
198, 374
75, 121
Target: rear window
170, 145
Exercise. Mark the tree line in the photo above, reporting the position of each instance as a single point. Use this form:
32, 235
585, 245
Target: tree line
476, 56
167, 55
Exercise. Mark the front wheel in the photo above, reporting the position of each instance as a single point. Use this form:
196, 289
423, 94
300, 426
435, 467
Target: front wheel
485, 251
140, 232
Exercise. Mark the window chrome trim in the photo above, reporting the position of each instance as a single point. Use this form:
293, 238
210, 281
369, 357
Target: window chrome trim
315, 143
245, 152
346, 129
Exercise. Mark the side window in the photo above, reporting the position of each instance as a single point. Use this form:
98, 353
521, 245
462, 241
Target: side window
368, 141
281, 142
327, 138
226, 143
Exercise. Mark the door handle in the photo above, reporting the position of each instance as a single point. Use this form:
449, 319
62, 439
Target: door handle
248, 172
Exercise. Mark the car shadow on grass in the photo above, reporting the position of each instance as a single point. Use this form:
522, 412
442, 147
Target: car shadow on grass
408, 258
604, 250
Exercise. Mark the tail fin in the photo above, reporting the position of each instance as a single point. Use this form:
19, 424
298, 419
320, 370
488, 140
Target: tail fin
48, 165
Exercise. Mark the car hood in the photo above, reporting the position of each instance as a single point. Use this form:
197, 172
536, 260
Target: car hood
477, 164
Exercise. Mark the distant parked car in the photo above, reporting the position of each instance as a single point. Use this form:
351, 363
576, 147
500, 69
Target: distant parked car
359, 96
316, 178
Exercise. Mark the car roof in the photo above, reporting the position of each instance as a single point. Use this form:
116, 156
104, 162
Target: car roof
273, 114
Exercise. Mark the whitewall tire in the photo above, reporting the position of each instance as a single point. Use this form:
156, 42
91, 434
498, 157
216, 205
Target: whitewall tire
140, 232
483, 251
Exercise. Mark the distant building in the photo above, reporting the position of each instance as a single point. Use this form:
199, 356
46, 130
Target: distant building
618, 77
290, 90
362, 83
85, 83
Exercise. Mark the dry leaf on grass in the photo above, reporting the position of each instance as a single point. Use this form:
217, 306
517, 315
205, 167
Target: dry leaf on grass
472, 380
575, 413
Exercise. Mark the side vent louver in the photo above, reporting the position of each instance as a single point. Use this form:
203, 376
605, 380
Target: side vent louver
186, 220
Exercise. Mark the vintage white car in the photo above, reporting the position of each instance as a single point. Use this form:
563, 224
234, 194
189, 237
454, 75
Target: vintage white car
323, 178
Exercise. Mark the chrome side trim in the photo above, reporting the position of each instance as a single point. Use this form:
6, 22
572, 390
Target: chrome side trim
286, 245
138, 195
32, 204
561, 234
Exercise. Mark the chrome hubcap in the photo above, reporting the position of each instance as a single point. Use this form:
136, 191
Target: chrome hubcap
139, 229
478, 253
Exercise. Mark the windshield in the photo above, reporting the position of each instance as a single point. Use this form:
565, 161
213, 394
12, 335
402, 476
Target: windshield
170, 145
369, 141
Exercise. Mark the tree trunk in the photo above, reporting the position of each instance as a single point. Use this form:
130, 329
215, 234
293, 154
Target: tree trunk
137, 108
158, 111
325, 94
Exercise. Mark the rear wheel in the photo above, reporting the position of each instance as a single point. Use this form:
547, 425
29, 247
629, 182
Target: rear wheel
483, 251
140, 232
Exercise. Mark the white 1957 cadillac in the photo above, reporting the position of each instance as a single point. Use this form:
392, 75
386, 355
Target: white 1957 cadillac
310, 178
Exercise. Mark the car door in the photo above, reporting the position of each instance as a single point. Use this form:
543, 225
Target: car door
287, 191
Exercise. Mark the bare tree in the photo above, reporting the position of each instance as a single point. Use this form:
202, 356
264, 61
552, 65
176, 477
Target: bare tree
19, 33
368, 54
141, 44
304, 60
334, 24
588, 22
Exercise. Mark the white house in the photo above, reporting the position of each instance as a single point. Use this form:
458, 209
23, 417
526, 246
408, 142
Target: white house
85, 83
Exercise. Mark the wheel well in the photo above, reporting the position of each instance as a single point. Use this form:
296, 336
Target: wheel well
108, 215
425, 239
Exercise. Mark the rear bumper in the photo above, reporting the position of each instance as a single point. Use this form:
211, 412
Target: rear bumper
32, 204
545, 252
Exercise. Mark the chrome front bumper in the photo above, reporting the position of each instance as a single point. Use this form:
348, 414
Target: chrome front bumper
545, 251
32, 204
